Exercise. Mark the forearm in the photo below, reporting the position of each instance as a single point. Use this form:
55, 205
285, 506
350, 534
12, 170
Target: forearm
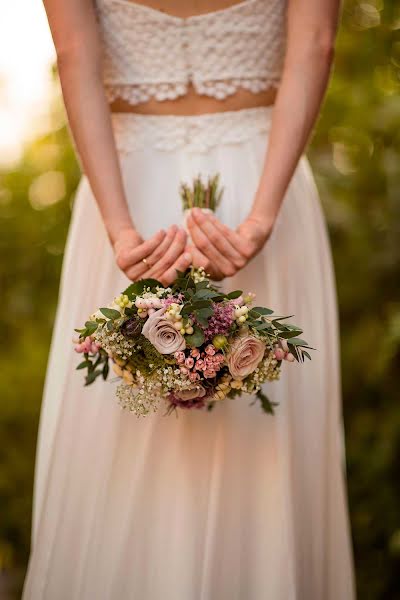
304, 81
90, 123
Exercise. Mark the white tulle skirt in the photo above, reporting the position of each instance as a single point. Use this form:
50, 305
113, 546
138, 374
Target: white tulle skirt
228, 505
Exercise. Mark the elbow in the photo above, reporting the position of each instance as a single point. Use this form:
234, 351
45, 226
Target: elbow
322, 44
325, 46
317, 47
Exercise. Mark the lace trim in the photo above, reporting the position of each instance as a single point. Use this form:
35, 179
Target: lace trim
137, 93
194, 133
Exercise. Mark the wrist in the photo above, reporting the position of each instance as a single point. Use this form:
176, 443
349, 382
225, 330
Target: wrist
120, 229
263, 222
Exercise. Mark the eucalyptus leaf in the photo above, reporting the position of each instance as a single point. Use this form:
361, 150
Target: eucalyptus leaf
105, 371
234, 294
110, 313
266, 404
196, 339
297, 341
289, 335
262, 311
91, 327
84, 364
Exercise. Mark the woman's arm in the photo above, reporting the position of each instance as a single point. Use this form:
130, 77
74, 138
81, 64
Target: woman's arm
311, 30
79, 57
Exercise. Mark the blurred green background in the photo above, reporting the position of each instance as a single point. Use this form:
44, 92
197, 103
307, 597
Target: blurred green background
355, 153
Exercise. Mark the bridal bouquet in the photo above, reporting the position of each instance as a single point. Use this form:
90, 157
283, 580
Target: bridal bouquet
190, 344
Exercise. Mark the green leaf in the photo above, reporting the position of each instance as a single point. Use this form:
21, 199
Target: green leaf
276, 321
92, 376
205, 293
91, 327
205, 312
198, 304
136, 288
110, 313
297, 341
80, 330
196, 339
262, 311
288, 335
262, 325
266, 404
84, 364
106, 369
110, 325
305, 353
235, 294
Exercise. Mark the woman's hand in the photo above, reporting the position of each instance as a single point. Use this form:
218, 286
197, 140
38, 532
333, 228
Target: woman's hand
159, 257
223, 251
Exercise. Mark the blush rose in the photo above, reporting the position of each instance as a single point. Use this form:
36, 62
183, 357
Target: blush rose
160, 332
245, 354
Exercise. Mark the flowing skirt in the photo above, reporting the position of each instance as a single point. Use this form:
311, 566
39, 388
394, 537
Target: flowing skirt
231, 504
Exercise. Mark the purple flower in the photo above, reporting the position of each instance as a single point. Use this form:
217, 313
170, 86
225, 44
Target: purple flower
176, 402
220, 322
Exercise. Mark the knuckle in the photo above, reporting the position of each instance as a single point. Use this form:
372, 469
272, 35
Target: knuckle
202, 245
229, 271
240, 262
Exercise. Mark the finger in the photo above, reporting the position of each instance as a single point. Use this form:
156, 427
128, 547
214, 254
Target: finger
135, 255
200, 260
144, 269
218, 237
206, 247
160, 251
181, 264
171, 255
231, 236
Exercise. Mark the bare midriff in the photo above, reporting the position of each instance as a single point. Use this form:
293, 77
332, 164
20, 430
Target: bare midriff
195, 104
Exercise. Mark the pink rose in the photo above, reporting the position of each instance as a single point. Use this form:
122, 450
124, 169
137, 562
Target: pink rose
210, 350
200, 364
180, 357
160, 332
196, 391
245, 353
189, 362
194, 376
195, 352
209, 373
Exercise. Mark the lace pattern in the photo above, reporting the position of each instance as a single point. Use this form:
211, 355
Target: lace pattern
194, 133
148, 54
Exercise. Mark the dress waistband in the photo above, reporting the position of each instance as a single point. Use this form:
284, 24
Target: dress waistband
194, 133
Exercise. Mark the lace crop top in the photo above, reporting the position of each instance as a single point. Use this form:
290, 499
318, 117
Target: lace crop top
150, 54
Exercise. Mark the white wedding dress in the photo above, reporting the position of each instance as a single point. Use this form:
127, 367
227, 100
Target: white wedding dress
228, 505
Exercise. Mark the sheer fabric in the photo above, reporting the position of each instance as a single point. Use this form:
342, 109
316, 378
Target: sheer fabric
228, 505
149, 54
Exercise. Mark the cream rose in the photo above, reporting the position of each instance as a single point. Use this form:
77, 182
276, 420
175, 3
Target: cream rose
161, 333
245, 353
196, 391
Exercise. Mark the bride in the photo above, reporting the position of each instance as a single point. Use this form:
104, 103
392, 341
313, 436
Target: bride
232, 504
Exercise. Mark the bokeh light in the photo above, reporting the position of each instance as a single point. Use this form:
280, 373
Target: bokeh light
26, 53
